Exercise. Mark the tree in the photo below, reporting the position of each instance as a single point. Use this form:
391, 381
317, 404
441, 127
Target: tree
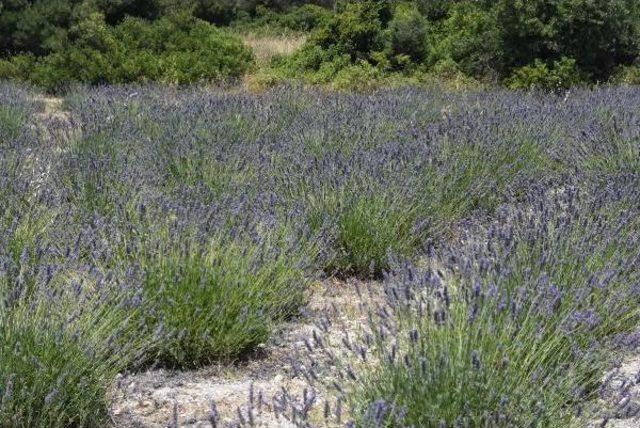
598, 34
38, 26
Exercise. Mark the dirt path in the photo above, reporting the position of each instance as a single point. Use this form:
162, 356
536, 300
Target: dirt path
57, 133
619, 406
158, 398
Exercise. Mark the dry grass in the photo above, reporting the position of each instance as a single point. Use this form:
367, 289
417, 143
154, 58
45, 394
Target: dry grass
266, 47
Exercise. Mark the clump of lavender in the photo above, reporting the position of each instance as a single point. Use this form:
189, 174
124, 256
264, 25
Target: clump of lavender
218, 298
65, 332
509, 328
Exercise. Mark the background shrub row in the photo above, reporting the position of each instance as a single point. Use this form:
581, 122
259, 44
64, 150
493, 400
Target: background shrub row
551, 44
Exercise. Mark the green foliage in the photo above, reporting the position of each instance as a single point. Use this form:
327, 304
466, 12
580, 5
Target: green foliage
353, 43
116, 11
220, 11
408, 36
58, 372
614, 156
12, 122
356, 32
562, 74
627, 75
304, 18
62, 342
598, 34
69, 388
177, 50
361, 75
17, 67
487, 40
218, 300
38, 27
371, 228
469, 37
434, 10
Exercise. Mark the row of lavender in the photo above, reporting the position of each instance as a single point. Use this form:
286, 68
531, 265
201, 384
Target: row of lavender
179, 227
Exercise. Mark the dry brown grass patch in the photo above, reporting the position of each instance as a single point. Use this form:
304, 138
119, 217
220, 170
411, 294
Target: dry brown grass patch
266, 47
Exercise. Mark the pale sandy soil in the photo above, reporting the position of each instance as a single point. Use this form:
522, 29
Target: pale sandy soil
157, 397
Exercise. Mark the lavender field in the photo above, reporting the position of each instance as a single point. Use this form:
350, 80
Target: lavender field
149, 227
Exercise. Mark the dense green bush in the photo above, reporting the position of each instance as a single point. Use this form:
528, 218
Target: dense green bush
598, 34
355, 37
117, 10
224, 12
171, 50
434, 10
304, 18
38, 26
468, 36
221, 11
408, 34
562, 74
356, 31
627, 75
488, 41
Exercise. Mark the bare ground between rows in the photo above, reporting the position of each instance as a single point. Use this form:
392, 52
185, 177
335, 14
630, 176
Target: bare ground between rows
160, 398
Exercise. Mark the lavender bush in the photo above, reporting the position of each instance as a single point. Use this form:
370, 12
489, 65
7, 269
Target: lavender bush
66, 329
513, 326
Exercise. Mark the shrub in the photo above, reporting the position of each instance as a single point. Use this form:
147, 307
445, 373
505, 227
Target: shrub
447, 73
64, 334
115, 11
434, 10
220, 300
408, 33
370, 229
360, 76
469, 36
56, 365
36, 27
8, 70
67, 387
353, 43
222, 12
177, 50
627, 75
598, 34
12, 122
511, 335
304, 18
562, 74
356, 31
